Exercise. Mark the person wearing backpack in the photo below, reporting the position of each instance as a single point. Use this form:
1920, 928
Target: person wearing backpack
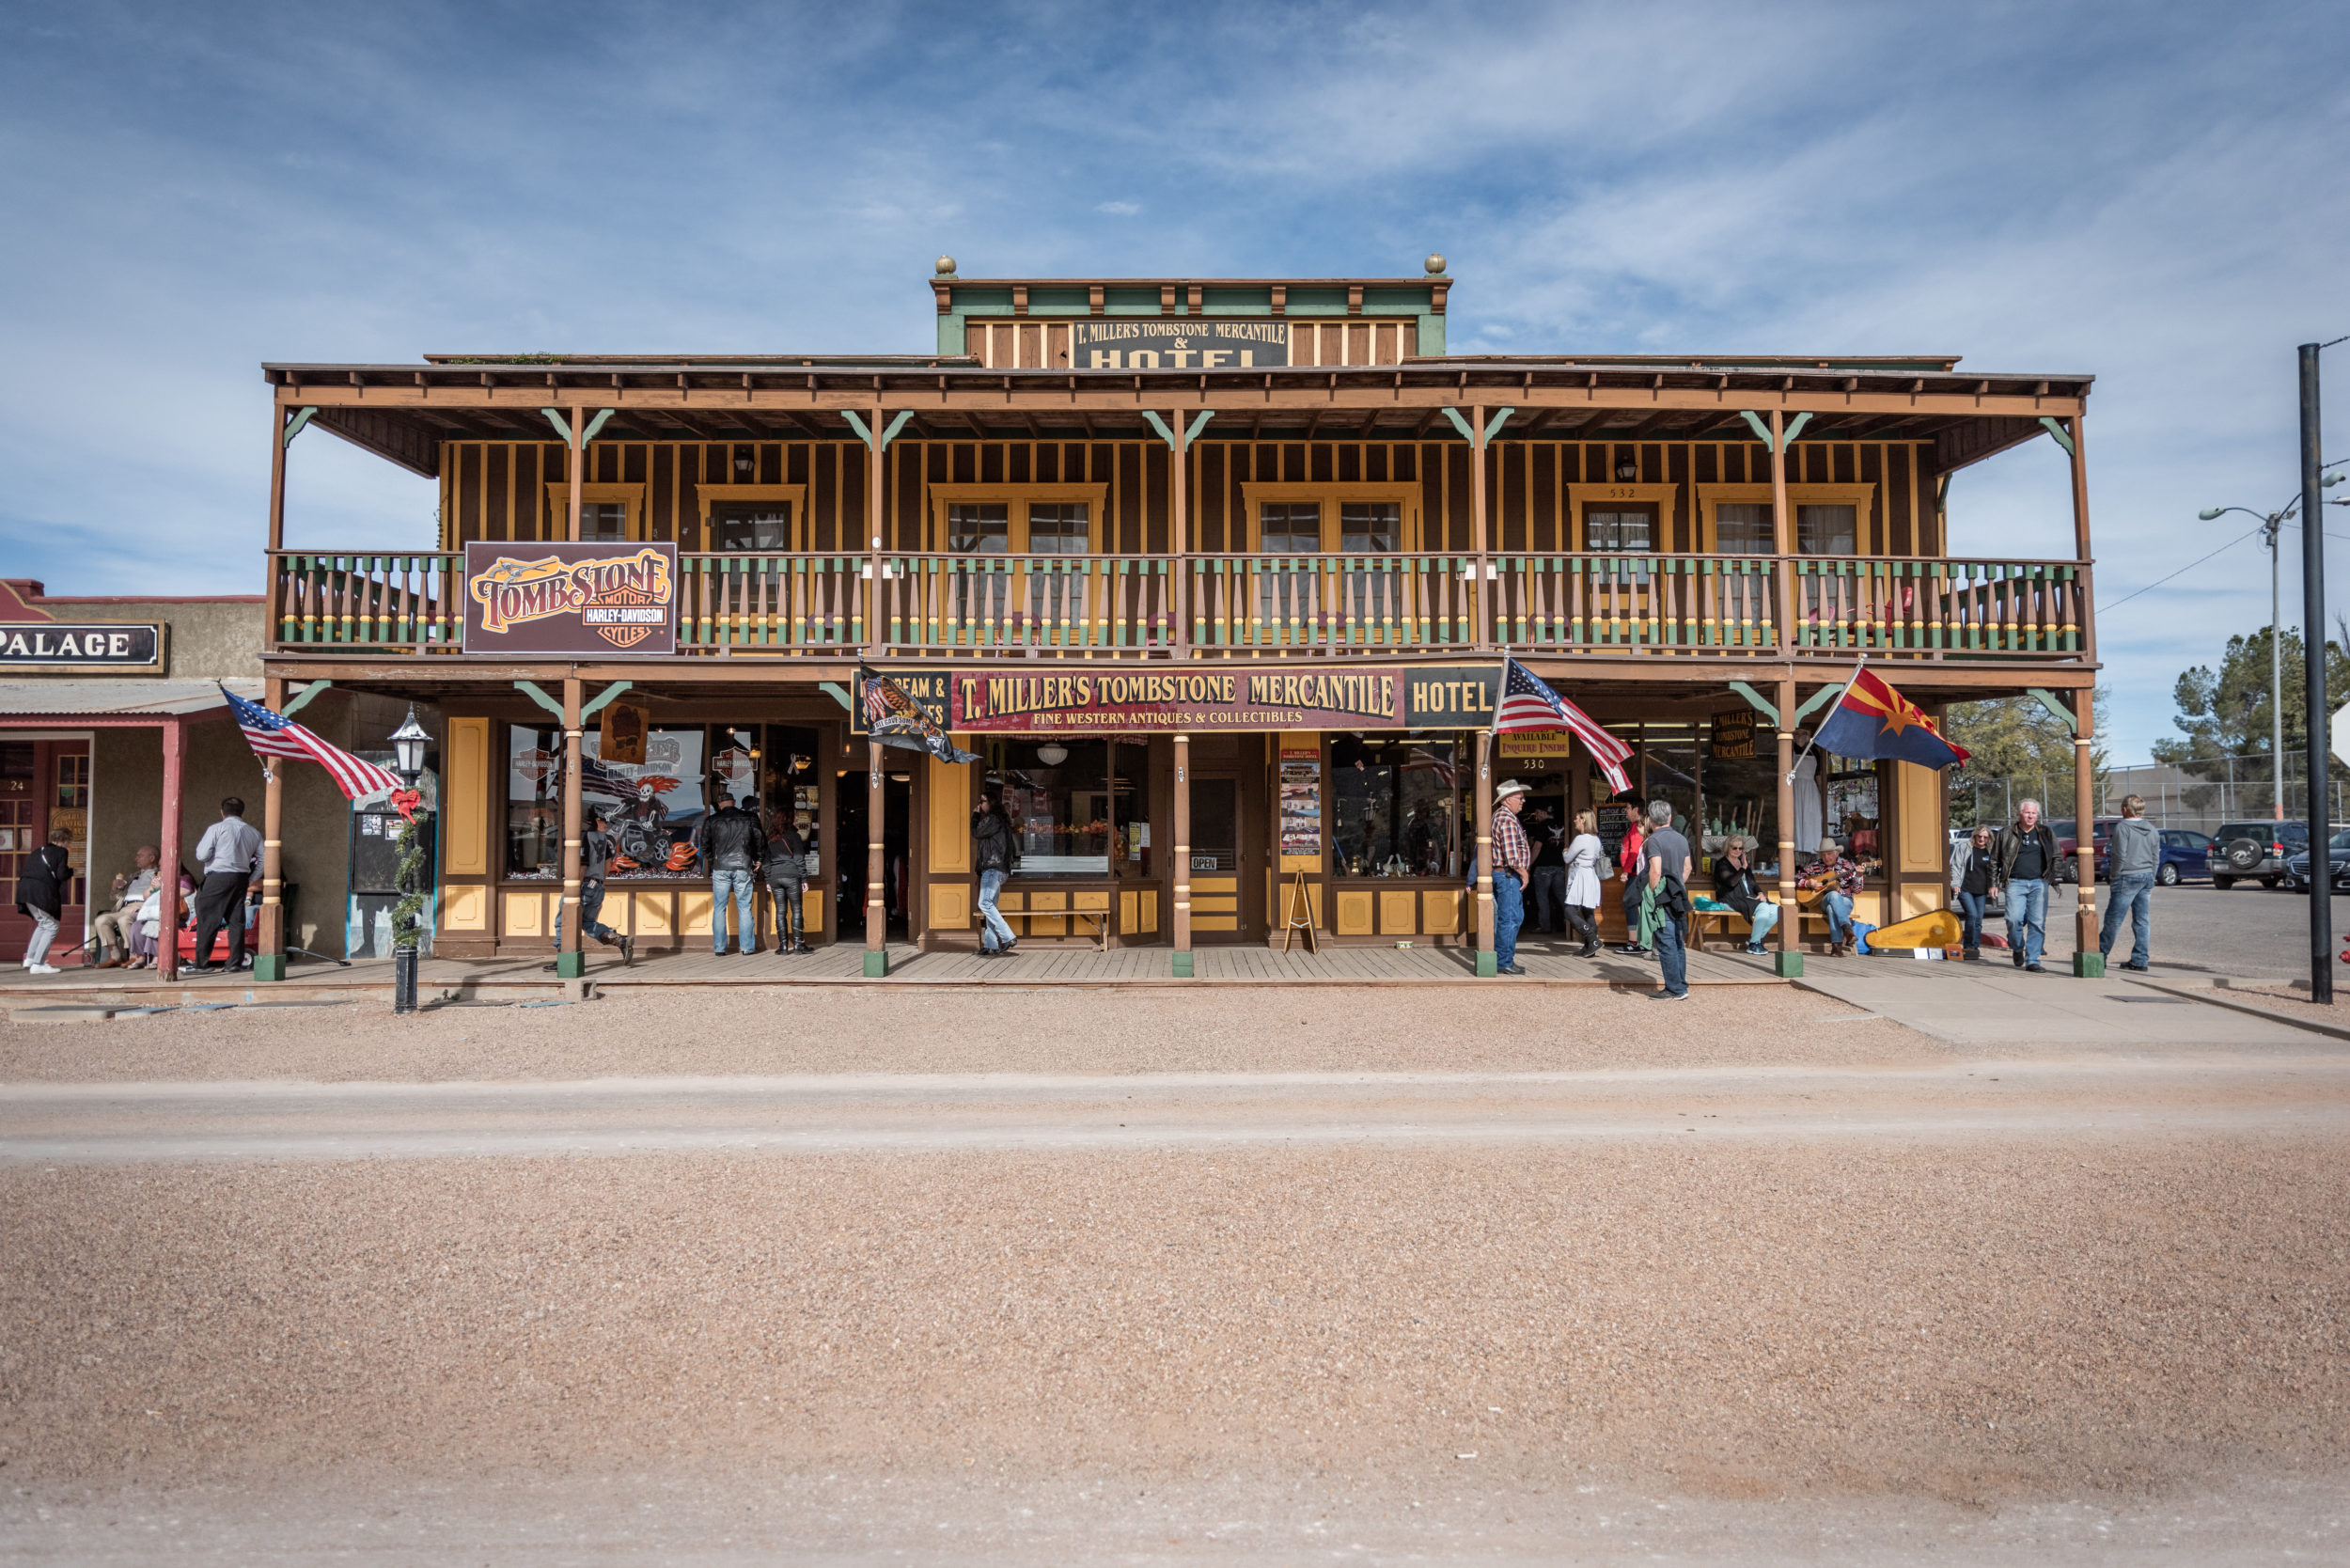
1665, 896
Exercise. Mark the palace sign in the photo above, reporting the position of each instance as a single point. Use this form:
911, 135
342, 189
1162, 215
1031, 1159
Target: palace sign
1144, 702
586, 599
116, 645
1181, 343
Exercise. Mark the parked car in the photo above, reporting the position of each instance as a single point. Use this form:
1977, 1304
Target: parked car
2297, 877
2185, 856
2242, 851
2069, 845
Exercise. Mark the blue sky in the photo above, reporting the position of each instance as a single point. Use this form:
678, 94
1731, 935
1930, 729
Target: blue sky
2151, 194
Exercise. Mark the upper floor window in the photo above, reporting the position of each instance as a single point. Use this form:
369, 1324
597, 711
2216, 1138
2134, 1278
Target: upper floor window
603, 520
981, 528
1018, 519
1368, 528
1288, 527
1059, 527
1743, 529
751, 525
1826, 530
1631, 528
607, 512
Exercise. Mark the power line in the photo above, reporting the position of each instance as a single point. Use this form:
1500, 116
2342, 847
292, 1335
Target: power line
2188, 566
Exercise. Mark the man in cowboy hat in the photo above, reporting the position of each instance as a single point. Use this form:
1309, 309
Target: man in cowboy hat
1514, 860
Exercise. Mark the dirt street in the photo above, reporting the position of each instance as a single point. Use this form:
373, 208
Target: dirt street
1789, 1283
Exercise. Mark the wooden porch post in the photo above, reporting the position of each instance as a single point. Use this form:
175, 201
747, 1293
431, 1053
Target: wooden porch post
168, 928
1789, 961
2080, 540
578, 467
569, 961
1480, 538
1182, 867
876, 863
273, 621
268, 963
1178, 530
1782, 536
1488, 962
2088, 962
875, 474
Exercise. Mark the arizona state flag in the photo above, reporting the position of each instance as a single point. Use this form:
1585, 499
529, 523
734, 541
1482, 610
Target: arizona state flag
1874, 720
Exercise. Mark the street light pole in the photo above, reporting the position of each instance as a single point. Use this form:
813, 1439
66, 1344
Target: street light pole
2314, 677
2275, 666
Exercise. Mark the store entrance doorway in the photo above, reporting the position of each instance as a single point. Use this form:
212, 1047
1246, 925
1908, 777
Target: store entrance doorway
1220, 907
852, 855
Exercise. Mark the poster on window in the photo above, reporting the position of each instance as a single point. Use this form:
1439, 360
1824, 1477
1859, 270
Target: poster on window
1301, 806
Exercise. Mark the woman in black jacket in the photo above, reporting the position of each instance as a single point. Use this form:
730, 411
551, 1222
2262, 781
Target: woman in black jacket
40, 889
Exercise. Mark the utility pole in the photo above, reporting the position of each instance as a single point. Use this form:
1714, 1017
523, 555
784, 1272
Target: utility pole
2313, 667
2276, 665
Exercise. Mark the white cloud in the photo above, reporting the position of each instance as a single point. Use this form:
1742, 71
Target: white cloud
1119, 208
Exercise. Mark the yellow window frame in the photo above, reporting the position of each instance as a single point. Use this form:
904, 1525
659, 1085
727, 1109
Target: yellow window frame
1861, 498
1018, 498
1254, 493
560, 506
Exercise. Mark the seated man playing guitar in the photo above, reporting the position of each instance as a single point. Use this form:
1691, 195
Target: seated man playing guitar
1829, 884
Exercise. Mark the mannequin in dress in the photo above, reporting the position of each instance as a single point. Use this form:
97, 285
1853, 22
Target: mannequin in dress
1810, 814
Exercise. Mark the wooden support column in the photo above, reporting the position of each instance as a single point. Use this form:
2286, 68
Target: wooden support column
2088, 962
1783, 540
2080, 543
1488, 962
569, 963
167, 930
877, 864
1480, 541
1182, 866
875, 472
578, 467
268, 962
272, 606
1178, 530
1788, 958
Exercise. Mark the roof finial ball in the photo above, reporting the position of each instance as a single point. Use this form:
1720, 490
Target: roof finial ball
1435, 266
945, 266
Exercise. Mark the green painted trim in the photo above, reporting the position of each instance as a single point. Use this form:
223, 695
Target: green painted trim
1795, 427
530, 689
1197, 425
2047, 699
562, 426
1754, 701
603, 698
596, 424
1762, 430
1430, 334
2056, 427
1819, 700
858, 425
1151, 418
1488, 964
835, 690
952, 337
895, 426
1787, 965
876, 964
293, 427
1459, 422
1179, 965
1501, 417
269, 966
2088, 965
569, 965
301, 699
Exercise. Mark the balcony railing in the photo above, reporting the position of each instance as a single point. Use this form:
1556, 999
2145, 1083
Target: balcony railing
1260, 605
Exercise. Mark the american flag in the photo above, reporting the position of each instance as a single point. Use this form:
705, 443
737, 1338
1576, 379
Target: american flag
273, 735
1526, 704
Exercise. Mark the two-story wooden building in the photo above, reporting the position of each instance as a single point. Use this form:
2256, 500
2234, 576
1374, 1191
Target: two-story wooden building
1217, 576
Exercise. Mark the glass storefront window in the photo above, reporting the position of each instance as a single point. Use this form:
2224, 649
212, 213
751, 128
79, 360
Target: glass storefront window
651, 808
1055, 792
1393, 806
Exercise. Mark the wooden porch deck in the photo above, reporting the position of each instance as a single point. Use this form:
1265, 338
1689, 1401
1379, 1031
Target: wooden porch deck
1545, 962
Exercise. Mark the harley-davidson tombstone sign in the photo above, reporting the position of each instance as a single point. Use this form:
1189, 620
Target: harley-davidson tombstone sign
585, 598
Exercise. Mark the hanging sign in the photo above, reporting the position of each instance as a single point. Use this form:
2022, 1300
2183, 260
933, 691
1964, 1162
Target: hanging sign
60, 645
1150, 702
1177, 343
1536, 745
587, 599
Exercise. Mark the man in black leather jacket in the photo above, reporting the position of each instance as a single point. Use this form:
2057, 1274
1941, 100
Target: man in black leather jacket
736, 850
994, 855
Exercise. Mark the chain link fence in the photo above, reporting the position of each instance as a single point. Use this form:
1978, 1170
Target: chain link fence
2202, 794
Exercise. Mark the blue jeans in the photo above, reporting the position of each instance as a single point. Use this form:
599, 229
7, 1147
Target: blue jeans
2132, 893
1673, 956
1837, 908
1509, 915
995, 930
1765, 918
1970, 916
2028, 916
590, 906
745, 933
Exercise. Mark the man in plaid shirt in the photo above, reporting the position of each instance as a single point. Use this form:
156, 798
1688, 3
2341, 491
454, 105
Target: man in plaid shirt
1514, 860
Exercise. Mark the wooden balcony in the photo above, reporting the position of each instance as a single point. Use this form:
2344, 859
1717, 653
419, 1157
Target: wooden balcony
1221, 606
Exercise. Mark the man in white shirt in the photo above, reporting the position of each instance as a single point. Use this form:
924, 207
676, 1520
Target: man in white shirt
111, 926
228, 853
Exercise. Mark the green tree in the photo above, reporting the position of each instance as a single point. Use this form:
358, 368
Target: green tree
2015, 738
2226, 711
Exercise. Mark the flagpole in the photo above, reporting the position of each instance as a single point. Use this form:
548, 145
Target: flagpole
1815, 735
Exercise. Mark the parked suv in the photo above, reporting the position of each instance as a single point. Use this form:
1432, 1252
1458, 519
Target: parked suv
2242, 851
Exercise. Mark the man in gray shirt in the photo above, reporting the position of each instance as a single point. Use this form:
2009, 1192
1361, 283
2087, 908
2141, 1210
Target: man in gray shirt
1664, 864
2134, 855
228, 854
